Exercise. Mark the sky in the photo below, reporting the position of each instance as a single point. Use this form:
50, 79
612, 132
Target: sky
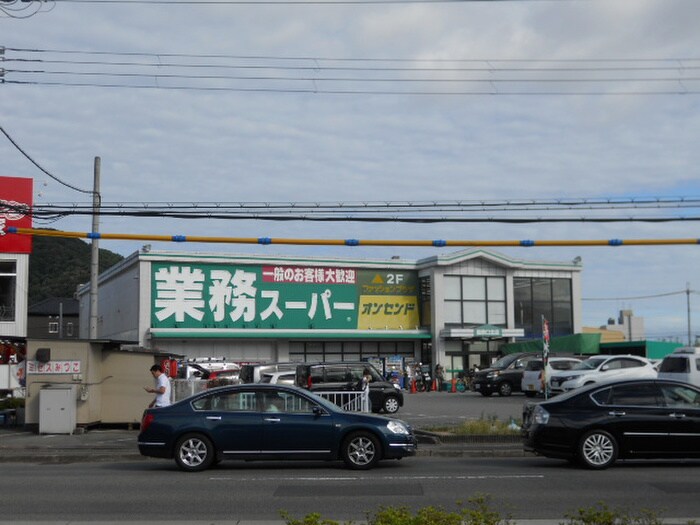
507, 135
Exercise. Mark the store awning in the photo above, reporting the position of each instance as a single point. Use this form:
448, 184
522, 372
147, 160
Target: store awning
249, 333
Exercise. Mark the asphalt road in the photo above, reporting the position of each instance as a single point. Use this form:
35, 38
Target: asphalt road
523, 488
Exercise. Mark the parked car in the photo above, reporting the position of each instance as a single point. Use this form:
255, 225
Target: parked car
252, 373
534, 374
238, 422
602, 368
682, 365
598, 424
278, 378
504, 376
223, 377
343, 375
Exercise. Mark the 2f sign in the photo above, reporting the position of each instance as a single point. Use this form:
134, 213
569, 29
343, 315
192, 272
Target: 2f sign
394, 278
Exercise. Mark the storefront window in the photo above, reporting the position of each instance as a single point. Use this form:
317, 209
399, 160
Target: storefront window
474, 301
426, 318
537, 297
8, 284
347, 350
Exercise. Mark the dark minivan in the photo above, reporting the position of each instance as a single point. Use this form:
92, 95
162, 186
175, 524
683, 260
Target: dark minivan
504, 376
343, 375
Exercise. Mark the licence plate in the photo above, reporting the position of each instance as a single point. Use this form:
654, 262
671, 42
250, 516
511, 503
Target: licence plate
530, 387
477, 386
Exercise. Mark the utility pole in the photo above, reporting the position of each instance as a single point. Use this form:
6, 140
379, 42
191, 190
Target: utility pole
95, 249
687, 299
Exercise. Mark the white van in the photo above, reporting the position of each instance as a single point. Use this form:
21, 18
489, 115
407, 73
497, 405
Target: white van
682, 365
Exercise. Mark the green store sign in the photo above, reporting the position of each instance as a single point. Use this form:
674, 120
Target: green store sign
282, 297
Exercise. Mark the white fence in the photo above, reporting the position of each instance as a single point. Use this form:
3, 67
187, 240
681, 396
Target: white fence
352, 401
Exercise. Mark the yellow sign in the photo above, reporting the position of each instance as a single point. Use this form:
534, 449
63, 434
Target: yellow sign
388, 312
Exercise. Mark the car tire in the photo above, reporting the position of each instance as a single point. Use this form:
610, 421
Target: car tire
361, 451
530, 394
194, 452
391, 404
597, 450
505, 389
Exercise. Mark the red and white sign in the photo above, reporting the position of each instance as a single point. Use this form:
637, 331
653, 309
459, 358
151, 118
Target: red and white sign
15, 205
308, 275
53, 367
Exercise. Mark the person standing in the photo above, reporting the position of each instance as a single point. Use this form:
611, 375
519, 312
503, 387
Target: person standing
439, 376
161, 390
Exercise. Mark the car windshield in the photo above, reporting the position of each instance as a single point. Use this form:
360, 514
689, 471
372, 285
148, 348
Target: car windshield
589, 364
503, 362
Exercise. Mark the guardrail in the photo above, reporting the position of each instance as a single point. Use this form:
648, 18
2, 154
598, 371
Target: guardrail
354, 401
350, 401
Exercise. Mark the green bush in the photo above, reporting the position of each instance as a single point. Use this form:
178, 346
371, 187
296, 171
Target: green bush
484, 426
603, 515
477, 512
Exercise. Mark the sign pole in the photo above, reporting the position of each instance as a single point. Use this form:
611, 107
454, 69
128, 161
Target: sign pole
545, 355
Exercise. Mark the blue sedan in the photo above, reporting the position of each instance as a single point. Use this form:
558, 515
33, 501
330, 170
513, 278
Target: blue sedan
269, 422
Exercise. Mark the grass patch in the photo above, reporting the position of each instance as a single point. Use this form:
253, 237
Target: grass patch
484, 426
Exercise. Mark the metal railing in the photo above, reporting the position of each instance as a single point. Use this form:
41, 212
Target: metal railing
353, 401
350, 401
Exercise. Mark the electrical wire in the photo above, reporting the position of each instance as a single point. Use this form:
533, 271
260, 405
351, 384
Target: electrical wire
342, 75
30, 159
498, 211
639, 297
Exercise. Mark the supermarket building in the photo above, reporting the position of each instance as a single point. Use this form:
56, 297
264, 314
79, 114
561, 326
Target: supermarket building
454, 309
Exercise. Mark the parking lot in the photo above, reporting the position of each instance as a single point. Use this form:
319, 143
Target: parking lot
438, 408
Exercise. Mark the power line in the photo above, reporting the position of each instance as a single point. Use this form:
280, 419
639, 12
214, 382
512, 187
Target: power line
639, 297
288, 2
342, 75
30, 159
462, 211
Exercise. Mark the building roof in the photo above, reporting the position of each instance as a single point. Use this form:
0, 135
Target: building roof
52, 306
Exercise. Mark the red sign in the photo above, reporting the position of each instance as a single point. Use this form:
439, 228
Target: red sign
15, 206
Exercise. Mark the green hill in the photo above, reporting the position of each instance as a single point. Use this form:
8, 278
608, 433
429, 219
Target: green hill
57, 266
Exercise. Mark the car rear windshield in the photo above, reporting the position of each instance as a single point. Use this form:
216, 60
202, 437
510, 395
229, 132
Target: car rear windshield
534, 365
675, 365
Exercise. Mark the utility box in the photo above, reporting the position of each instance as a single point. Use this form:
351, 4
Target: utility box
57, 409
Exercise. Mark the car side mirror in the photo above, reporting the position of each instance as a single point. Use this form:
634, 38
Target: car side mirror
604, 368
317, 410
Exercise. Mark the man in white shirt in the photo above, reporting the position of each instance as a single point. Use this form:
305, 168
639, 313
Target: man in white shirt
162, 389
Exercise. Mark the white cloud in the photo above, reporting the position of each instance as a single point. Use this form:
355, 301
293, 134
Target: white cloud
170, 145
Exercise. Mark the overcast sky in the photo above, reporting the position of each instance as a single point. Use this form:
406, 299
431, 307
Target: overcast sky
255, 140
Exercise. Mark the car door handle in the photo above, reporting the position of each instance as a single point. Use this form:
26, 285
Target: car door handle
616, 414
677, 416
214, 418
273, 419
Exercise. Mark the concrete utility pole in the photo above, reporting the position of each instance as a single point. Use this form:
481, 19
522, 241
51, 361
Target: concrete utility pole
95, 251
687, 295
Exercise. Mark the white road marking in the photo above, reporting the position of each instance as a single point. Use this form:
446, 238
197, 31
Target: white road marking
371, 478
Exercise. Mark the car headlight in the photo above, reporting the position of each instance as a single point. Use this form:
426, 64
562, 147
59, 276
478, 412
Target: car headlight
397, 427
540, 415
568, 378
493, 374
397, 387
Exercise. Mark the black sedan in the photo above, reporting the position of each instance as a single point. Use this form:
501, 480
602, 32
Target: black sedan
598, 424
269, 422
